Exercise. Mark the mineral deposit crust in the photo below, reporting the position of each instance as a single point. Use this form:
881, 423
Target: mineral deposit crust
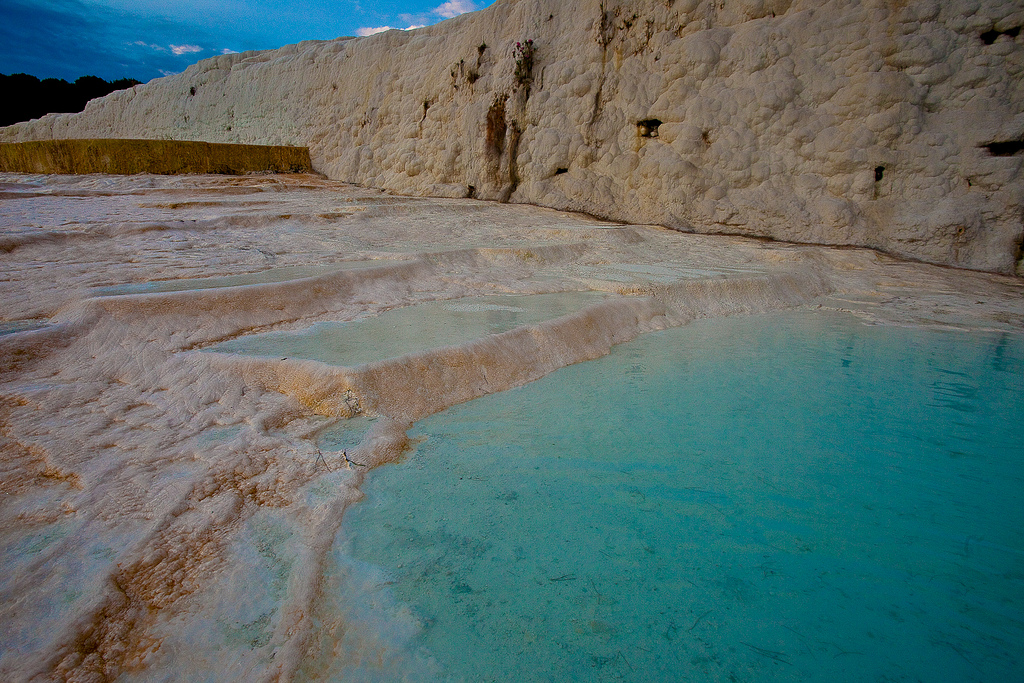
891, 125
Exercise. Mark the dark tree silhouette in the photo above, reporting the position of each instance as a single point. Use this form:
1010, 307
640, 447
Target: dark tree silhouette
24, 97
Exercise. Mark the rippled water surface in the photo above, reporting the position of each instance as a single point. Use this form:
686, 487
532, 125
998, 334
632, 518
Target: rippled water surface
779, 497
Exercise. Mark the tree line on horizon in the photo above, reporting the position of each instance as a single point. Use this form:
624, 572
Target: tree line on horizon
27, 97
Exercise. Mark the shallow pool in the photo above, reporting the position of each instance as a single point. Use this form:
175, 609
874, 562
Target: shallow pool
778, 497
13, 326
411, 328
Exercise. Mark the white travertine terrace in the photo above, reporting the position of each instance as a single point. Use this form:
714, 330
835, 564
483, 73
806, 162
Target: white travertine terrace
166, 512
150, 488
890, 125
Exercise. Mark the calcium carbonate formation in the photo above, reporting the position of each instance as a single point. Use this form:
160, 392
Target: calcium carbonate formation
892, 125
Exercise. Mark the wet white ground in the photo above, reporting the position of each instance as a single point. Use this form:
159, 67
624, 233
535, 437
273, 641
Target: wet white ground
166, 512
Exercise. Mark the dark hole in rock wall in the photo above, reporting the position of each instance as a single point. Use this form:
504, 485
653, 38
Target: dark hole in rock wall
1006, 148
192, 91
648, 128
560, 171
989, 37
470, 191
515, 136
1020, 258
879, 174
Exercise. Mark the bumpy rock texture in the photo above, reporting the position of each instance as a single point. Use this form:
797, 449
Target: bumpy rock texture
889, 124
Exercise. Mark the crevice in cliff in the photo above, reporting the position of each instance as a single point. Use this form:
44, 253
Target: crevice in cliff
494, 140
606, 31
502, 136
990, 36
595, 112
469, 73
514, 137
426, 108
648, 128
473, 75
1019, 261
877, 189
1006, 148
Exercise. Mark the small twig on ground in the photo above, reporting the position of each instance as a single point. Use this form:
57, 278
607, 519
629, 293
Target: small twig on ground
344, 454
321, 457
699, 619
770, 654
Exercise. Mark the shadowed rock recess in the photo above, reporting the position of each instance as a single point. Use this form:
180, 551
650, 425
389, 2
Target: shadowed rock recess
895, 126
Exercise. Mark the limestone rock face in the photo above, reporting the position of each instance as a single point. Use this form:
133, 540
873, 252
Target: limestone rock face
896, 125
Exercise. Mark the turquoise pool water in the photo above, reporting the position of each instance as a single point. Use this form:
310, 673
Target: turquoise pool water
779, 497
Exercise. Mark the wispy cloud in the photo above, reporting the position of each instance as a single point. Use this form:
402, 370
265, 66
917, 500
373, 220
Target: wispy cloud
151, 46
454, 8
370, 30
185, 49
228, 51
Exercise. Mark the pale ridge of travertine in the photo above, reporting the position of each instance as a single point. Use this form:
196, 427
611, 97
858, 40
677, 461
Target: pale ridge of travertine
892, 125
413, 386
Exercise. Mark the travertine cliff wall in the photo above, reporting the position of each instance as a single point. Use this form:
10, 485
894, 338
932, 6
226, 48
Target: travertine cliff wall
890, 124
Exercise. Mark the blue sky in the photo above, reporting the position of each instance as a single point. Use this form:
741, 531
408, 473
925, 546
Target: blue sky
145, 39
